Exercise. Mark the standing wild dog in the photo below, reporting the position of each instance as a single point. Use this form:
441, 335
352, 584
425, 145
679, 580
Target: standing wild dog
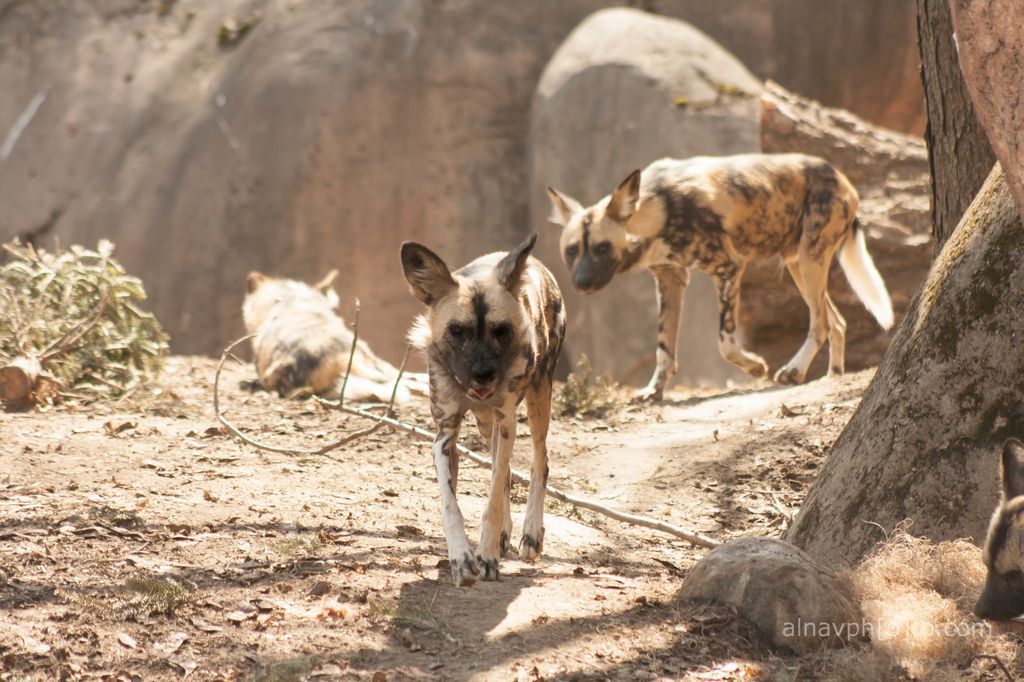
1003, 596
491, 334
717, 214
301, 343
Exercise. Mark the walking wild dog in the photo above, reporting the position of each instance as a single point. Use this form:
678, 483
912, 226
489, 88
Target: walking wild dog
301, 343
717, 214
1003, 596
491, 335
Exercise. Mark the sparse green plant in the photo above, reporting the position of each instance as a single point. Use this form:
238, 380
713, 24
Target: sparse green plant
147, 595
293, 546
586, 396
139, 597
122, 518
71, 326
411, 615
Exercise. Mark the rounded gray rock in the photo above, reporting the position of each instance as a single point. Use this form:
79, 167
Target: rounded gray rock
795, 602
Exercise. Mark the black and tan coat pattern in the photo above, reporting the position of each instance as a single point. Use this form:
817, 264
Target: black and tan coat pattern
717, 214
1003, 595
301, 344
491, 335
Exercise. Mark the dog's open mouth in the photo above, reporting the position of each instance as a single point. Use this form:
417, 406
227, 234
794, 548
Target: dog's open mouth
481, 393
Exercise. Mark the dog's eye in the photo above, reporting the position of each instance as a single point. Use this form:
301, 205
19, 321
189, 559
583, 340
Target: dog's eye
571, 252
502, 330
603, 249
456, 331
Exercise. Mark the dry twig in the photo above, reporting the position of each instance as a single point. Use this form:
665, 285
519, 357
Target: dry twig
348, 438
999, 662
632, 519
388, 419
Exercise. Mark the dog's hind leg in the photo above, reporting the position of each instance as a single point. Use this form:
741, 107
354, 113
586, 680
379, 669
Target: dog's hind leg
811, 278
538, 412
491, 529
671, 288
446, 462
727, 277
836, 338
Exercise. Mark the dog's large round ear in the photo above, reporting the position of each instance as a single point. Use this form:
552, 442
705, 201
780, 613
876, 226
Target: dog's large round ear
563, 207
1011, 469
510, 268
254, 280
428, 276
624, 198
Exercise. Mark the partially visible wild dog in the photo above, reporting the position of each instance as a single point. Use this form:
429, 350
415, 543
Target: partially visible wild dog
717, 214
1003, 595
301, 343
491, 335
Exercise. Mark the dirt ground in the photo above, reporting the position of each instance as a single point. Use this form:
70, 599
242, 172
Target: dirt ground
141, 541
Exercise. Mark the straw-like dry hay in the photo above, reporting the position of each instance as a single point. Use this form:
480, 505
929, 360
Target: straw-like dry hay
917, 598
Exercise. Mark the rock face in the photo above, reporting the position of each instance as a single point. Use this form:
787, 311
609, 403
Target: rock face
625, 88
325, 136
861, 56
793, 601
324, 133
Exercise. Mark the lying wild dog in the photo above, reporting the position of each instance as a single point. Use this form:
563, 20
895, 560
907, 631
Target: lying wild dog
717, 214
301, 343
1003, 595
491, 335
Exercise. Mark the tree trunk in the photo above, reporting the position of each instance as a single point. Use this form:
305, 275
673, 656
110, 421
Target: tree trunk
923, 444
958, 149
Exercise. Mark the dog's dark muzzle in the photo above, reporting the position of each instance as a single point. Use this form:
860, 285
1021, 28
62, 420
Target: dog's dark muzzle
1002, 598
592, 274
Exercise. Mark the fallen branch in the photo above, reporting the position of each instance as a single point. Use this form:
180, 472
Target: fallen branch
355, 435
389, 419
69, 339
20, 378
632, 519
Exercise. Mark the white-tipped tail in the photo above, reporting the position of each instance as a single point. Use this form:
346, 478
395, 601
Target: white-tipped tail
863, 277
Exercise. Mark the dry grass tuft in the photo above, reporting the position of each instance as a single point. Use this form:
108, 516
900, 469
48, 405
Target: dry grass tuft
585, 396
917, 598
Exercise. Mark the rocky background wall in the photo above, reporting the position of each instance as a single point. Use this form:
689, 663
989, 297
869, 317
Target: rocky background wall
210, 139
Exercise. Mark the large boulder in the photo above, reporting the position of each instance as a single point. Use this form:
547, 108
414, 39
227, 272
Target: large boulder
794, 601
625, 88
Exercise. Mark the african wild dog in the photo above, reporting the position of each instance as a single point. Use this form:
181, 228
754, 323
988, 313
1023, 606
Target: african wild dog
491, 335
1003, 595
716, 214
301, 343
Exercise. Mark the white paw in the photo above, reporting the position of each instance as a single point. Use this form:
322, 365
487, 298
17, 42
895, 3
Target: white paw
647, 395
788, 375
464, 569
531, 545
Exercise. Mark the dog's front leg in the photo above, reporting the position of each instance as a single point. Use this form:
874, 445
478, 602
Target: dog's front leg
446, 462
671, 288
493, 526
